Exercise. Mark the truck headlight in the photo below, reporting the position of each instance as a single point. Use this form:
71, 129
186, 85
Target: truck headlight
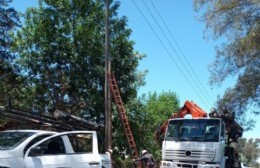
165, 164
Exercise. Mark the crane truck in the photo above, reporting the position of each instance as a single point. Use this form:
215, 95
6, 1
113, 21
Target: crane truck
200, 141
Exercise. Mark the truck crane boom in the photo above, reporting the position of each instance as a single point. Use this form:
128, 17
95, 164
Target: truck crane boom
189, 108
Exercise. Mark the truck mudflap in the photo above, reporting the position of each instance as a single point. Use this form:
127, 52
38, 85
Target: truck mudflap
170, 164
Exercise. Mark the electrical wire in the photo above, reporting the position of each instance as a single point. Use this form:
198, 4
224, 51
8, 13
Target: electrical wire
176, 53
168, 52
185, 58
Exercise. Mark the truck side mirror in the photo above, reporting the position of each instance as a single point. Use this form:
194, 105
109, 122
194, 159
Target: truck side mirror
35, 151
222, 138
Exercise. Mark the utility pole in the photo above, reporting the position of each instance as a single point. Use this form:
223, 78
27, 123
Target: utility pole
108, 115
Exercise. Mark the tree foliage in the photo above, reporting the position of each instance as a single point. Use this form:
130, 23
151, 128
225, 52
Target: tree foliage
158, 108
237, 24
8, 71
145, 115
249, 150
61, 49
161, 106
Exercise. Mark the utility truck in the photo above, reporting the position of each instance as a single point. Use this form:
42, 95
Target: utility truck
199, 141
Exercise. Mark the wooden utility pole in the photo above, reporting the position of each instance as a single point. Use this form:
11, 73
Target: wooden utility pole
108, 115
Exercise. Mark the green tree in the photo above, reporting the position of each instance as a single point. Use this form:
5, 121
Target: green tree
241, 148
238, 23
250, 151
137, 119
145, 114
61, 49
8, 71
158, 108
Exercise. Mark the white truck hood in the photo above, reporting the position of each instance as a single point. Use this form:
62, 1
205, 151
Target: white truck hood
11, 158
9, 154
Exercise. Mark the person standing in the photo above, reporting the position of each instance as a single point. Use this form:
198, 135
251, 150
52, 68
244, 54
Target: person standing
147, 158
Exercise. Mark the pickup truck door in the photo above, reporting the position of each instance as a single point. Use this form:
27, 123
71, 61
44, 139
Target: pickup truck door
82, 150
74, 149
48, 153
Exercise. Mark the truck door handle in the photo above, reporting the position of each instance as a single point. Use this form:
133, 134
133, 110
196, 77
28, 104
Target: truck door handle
93, 163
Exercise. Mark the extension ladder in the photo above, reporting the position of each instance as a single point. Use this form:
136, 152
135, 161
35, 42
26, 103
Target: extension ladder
123, 117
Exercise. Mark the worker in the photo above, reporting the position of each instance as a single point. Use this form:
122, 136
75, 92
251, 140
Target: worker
147, 158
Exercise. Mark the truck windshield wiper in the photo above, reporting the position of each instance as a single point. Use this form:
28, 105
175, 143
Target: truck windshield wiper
185, 138
198, 138
177, 138
189, 138
173, 138
182, 138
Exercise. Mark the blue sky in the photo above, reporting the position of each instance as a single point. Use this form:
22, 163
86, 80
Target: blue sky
166, 71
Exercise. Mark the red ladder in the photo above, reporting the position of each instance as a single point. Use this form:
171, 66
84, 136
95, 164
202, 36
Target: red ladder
122, 114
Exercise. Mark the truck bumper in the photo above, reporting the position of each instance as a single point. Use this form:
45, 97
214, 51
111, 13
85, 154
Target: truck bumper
171, 164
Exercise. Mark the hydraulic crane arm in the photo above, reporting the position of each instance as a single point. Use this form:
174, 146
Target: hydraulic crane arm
189, 108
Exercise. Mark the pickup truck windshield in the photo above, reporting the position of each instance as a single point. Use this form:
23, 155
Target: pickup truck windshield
204, 130
10, 140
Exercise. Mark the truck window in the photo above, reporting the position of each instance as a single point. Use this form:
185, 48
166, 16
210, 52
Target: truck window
212, 133
206, 130
52, 146
222, 130
37, 139
10, 140
81, 143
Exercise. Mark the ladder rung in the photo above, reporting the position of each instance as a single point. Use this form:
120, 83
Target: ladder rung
122, 114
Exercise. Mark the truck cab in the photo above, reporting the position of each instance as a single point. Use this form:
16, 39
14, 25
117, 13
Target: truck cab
194, 143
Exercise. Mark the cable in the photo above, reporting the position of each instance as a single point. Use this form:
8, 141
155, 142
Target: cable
168, 52
185, 58
179, 58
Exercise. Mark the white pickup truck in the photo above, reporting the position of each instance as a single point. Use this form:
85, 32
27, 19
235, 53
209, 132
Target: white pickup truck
44, 149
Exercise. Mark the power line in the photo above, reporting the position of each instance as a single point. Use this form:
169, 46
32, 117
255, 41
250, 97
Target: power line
185, 58
176, 53
179, 58
164, 46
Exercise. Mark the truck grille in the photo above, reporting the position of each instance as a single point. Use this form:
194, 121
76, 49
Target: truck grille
187, 166
192, 155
